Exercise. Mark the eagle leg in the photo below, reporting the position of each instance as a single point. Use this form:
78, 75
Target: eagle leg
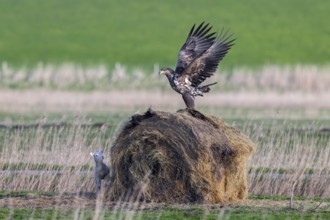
188, 100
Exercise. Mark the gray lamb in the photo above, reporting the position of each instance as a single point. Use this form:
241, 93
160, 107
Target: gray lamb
101, 170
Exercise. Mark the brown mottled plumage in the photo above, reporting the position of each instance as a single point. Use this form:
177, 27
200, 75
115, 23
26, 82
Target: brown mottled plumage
198, 59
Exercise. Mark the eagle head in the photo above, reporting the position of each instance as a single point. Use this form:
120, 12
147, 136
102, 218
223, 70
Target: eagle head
167, 71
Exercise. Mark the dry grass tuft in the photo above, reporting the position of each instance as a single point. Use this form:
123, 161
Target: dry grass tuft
50, 160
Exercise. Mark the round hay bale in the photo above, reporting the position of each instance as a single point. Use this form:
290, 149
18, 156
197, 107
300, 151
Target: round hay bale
178, 157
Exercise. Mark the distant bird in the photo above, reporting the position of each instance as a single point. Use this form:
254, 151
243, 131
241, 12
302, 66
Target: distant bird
198, 59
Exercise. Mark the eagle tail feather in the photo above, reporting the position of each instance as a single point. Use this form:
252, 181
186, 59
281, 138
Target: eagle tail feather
206, 88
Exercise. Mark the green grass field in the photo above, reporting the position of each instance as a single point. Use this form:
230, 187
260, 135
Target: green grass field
272, 207
141, 33
167, 214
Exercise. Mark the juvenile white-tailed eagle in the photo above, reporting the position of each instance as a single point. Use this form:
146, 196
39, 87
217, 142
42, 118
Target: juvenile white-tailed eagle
198, 59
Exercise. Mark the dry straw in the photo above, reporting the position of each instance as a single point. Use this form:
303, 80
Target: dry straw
179, 157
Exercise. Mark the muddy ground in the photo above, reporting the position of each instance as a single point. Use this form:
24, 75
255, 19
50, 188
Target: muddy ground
89, 201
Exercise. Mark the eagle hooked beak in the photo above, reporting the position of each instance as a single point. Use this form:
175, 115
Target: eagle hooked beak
166, 71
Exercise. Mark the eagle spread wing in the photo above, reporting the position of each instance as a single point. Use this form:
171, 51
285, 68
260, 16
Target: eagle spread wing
198, 41
206, 63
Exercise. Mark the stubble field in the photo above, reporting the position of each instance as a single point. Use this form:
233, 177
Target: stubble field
47, 134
